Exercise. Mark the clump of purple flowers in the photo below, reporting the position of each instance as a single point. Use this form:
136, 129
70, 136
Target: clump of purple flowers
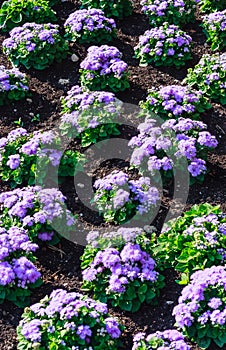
171, 11
167, 45
214, 26
17, 271
13, 85
170, 146
175, 101
90, 26
103, 69
118, 198
35, 45
35, 209
169, 339
209, 77
118, 267
201, 312
89, 115
21, 151
193, 241
76, 321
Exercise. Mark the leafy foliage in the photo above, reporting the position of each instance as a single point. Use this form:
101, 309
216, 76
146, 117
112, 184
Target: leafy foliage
14, 13
194, 241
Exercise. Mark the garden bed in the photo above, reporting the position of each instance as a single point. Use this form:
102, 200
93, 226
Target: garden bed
60, 265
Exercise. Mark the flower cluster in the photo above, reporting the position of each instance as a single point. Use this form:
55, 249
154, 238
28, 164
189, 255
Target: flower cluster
90, 26
119, 268
114, 8
193, 241
171, 11
20, 152
209, 76
35, 209
165, 340
175, 101
17, 271
118, 198
167, 45
71, 320
89, 115
214, 26
201, 312
35, 45
17, 12
176, 144
13, 85
208, 6
103, 69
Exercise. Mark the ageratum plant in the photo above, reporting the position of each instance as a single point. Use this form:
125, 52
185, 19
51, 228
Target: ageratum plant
18, 274
14, 13
103, 69
89, 115
38, 210
13, 85
165, 340
171, 11
89, 26
178, 145
118, 267
20, 152
35, 45
209, 76
114, 8
214, 26
174, 101
201, 311
208, 6
167, 45
193, 241
68, 320
118, 198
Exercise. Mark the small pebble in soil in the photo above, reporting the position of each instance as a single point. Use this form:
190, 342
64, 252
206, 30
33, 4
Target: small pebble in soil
74, 57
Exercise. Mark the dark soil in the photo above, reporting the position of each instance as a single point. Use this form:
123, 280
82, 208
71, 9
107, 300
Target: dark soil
60, 265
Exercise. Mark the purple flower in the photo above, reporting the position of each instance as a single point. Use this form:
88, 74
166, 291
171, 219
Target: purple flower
14, 161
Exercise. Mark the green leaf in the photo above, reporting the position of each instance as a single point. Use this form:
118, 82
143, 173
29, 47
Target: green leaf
204, 342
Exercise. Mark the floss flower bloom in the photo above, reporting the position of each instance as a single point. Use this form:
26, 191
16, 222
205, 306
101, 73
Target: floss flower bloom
35, 209
103, 69
13, 85
89, 26
193, 241
167, 45
76, 321
20, 152
118, 198
118, 267
209, 76
201, 311
175, 101
172, 145
17, 271
214, 26
172, 11
35, 45
169, 339
89, 115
